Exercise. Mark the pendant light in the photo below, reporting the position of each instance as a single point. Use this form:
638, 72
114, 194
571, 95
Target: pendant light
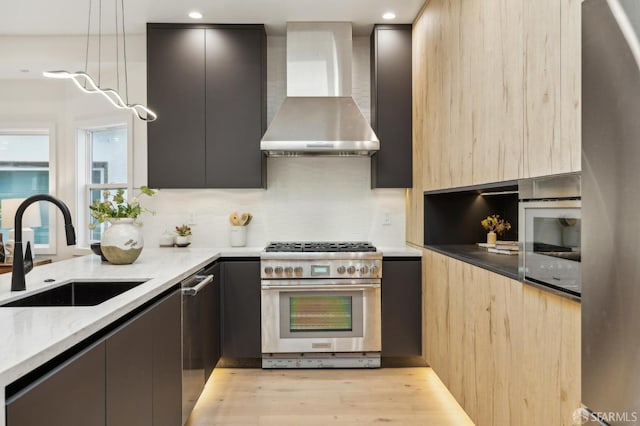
87, 84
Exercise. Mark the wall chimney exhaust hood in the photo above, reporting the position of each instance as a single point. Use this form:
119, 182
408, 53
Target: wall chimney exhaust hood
319, 116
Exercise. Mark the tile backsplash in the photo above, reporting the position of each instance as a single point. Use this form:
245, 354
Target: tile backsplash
308, 199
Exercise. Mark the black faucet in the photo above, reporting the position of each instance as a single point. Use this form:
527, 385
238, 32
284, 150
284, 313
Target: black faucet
23, 265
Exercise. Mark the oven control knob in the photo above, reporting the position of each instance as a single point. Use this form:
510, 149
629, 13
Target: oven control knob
298, 270
288, 270
351, 269
374, 270
268, 270
278, 269
341, 269
364, 270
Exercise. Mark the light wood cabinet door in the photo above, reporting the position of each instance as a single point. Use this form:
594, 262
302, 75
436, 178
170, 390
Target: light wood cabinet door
552, 87
496, 91
508, 353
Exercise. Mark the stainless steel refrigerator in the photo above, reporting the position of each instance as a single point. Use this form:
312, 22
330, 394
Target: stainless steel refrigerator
611, 209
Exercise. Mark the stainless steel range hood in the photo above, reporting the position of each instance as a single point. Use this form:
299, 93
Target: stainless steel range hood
319, 116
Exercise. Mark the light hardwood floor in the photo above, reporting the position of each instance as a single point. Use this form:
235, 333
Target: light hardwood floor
401, 396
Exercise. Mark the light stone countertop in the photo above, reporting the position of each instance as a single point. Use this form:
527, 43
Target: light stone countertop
402, 251
32, 336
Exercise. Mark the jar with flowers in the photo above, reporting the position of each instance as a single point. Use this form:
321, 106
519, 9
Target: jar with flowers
122, 241
494, 225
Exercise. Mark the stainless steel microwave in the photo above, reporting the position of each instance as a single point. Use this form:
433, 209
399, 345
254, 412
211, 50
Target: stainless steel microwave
550, 232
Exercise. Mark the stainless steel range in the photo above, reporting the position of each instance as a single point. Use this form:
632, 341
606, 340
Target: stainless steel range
321, 305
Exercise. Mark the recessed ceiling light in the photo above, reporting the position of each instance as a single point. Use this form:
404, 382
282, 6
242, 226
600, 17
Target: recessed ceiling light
195, 15
389, 15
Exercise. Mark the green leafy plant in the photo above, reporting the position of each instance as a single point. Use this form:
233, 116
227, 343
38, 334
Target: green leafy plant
117, 207
493, 223
183, 230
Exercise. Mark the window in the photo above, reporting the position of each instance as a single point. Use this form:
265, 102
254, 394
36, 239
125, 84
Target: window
25, 171
103, 163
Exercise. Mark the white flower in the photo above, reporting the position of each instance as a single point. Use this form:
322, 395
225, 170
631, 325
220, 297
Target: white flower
134, 202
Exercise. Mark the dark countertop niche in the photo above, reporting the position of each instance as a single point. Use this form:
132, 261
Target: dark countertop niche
452, 227
506, 265
502, 264
453, 216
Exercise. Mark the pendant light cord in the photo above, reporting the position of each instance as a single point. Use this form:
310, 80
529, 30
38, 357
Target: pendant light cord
86, 54
124, 55
99, 42
117, 49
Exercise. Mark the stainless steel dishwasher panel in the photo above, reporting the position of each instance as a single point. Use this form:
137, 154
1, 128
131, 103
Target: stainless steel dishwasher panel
193, 367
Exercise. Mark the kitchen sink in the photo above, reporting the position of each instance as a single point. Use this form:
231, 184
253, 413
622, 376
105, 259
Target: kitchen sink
75, 293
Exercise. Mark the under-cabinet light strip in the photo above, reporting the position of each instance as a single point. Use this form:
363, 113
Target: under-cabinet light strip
499, 193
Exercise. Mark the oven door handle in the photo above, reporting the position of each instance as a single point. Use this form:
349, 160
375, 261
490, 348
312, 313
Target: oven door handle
345, 287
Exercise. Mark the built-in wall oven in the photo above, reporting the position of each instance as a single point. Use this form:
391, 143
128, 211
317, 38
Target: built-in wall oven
550, 223
321, 309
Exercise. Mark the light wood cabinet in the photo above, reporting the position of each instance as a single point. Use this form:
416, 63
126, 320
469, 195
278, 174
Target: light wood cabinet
509, 353
496, 92
552, 87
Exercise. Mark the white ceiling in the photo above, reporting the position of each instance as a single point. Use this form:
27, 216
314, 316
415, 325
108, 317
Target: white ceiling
69, 17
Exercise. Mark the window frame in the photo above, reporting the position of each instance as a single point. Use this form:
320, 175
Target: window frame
83, 186
25, 127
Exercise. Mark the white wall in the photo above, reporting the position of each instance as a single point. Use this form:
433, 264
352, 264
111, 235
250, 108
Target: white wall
306, 199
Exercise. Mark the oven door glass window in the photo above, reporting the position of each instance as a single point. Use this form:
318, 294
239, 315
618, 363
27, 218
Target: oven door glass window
553, 232
552, 247
306, 314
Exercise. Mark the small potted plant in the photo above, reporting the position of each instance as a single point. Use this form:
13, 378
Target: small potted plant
184, 232
494, 226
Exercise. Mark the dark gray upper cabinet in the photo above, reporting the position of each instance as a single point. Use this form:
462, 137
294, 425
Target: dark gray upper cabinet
176, 92
391, 113
236, 107
207, 84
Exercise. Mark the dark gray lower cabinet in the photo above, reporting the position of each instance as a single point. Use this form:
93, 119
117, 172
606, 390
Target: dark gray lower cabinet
210, 311
167, 361
401, 307
241, 310
144, 368
129, 372
73, 394
133, 376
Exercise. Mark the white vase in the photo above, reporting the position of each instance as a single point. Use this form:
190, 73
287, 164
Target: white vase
238, 236
182, 240
122, 241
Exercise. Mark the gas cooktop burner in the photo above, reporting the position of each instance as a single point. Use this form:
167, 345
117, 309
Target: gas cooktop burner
329, 246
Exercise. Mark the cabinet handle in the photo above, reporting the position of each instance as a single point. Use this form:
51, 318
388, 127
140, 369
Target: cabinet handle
192, 291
